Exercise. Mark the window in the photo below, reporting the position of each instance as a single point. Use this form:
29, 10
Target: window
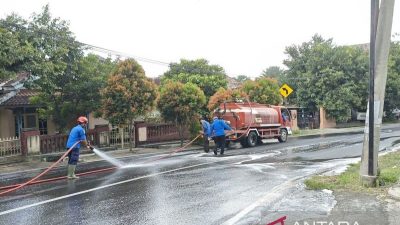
43, 126
30, 121
19, 123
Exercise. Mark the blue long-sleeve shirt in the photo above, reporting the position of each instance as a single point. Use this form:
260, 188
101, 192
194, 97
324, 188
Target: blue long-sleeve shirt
218, 127
206, 127
77, 134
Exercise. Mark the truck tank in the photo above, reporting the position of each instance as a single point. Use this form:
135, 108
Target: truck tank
252, 122
243, 115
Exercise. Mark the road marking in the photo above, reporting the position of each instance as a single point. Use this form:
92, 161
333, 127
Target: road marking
277, 192
102, 187
273, 195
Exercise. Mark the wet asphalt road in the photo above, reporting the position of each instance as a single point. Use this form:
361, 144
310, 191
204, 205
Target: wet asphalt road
187, 188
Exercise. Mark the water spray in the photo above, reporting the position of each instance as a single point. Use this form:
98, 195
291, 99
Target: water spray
109, 159
117, 165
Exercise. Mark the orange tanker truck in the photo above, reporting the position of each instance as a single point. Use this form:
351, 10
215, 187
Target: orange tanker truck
251, 122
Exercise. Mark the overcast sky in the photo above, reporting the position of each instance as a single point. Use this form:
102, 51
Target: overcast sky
242, 36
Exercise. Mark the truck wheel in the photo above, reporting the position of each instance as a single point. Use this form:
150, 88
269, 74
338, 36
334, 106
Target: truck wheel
283, 135
252, 139
243, 142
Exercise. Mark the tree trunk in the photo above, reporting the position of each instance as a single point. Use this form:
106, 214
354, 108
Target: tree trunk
180, 133
131, 135
122, 135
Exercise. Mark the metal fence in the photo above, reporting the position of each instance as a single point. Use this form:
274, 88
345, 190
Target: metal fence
118, 138
156, 133
10, 146
53, 143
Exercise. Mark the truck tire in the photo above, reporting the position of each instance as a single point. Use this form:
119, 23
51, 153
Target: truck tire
283, 135
243, 142
252, 139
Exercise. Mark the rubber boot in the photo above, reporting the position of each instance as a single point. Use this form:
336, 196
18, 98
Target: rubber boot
71, 172
69, 169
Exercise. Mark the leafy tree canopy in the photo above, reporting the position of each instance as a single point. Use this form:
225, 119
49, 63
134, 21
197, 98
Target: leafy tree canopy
68, 81
207, 77
273, 72
181, 104
242, 78
263, 90
128, 93
198, 66
52, 55
15, 56
392, 94
324, 75
223, 95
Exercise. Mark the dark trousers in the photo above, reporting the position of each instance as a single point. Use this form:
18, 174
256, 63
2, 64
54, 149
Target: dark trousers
206, 144
219, 143
73, 156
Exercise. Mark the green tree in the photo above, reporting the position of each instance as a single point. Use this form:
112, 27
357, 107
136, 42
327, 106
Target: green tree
392, 94
93, 71
328, 76
223, 95
273, 72
242, 78
198, 66
207, 77
263, 90
15, 56
181, 104
53, 60
128, 94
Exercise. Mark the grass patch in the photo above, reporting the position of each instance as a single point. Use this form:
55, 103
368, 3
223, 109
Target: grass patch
306, 132
389, 166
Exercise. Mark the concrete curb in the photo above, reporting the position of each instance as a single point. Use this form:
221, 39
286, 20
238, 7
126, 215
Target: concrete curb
328, 134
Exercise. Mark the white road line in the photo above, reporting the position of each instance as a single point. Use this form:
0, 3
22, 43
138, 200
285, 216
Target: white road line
101, 187
273, 195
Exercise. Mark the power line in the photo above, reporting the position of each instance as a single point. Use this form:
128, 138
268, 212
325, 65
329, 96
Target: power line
97, 48
117, 53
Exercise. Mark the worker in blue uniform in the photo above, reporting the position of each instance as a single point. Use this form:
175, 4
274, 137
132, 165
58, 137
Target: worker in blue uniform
77, 134
206, 132
218, 128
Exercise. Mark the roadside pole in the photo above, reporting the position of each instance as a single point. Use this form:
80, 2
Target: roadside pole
381, 20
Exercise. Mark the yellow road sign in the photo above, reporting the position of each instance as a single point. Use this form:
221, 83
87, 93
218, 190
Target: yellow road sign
285, 90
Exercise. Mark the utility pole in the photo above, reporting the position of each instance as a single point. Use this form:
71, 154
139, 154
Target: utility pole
381, 27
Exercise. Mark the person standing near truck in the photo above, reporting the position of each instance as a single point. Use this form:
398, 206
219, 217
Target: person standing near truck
206, 131
218, 128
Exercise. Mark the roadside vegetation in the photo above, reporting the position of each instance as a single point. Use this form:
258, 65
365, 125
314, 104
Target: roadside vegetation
70, 82
389, 166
